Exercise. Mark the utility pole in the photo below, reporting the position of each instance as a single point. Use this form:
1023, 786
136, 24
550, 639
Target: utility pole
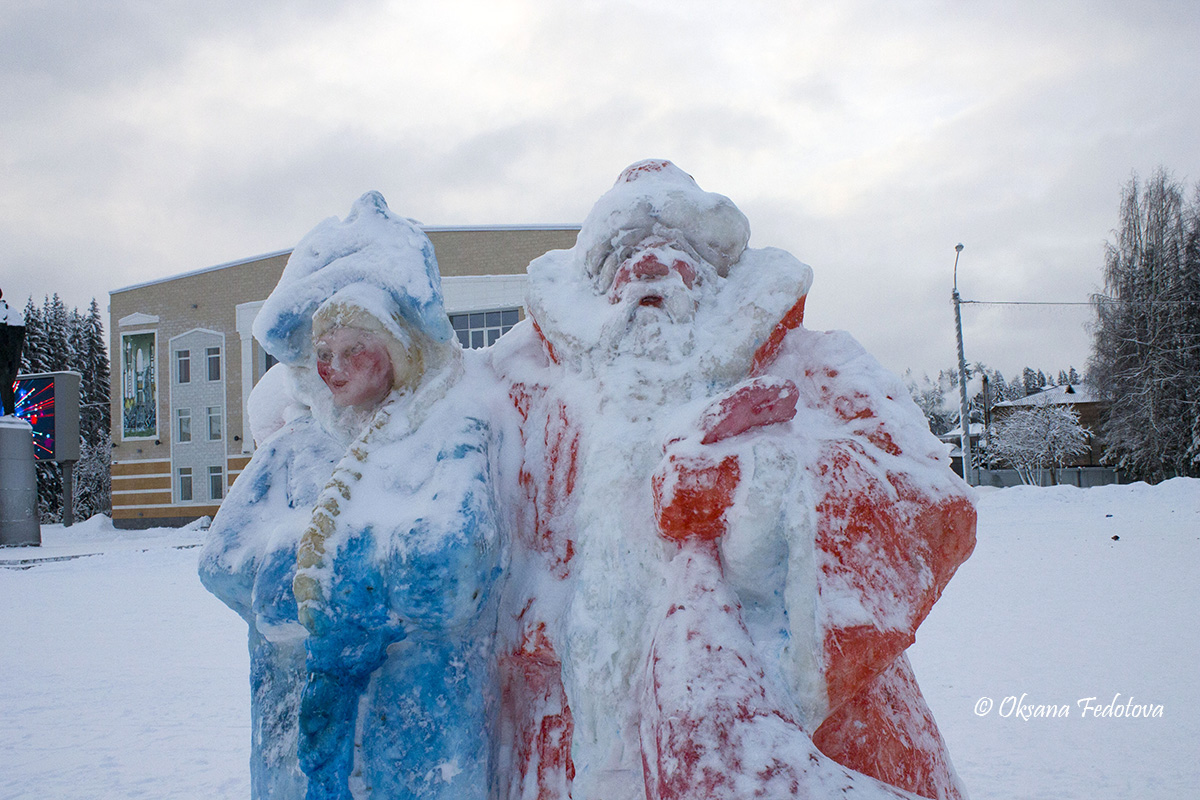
964, 416
987, 421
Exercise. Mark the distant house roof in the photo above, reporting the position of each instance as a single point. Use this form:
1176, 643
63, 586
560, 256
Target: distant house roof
1055, 395
955, 435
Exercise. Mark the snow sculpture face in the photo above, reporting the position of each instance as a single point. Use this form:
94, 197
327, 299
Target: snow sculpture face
659, 272
355, 365
648, 260
654, 283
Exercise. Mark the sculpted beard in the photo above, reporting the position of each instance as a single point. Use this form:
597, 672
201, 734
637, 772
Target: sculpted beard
652, 324
655, 291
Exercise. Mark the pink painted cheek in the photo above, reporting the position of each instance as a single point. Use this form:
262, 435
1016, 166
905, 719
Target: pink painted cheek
324, 369
686, 271
370, 377
373, 369
648, 267
369, 363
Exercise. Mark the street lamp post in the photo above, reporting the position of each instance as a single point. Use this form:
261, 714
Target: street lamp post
964, 417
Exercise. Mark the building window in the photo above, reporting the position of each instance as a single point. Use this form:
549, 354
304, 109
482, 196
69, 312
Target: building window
214, 423
483, 328
183, 366
216, 483
183, 428
214, 363
185, 484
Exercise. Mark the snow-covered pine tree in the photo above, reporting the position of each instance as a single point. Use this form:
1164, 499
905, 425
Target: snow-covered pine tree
91, 361
930, 397
1014, 391
1029, 381
93, 477
50, 489
55, 340
33, 354
999, 387
58, 334
92, 473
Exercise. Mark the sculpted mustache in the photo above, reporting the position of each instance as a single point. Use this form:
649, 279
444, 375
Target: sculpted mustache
673, 300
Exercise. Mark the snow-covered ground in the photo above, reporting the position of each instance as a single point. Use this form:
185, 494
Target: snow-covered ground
1053, 608
120, 677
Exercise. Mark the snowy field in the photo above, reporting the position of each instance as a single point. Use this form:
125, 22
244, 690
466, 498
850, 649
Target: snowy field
120, 677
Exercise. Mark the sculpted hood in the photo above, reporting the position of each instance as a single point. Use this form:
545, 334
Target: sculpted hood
657, 195
372, 247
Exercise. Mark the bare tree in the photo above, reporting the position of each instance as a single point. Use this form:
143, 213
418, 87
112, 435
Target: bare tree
1146, 349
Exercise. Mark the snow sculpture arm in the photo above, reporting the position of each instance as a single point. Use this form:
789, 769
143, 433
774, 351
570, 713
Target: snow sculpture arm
265, 508
887, 526
693, 489
715, 724
893, 521
892, 525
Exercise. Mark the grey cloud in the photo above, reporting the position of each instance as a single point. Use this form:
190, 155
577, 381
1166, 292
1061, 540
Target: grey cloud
49, 47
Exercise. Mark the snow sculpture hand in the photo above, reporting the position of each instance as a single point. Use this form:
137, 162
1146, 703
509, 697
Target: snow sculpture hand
695, 484
328, 750
692, 494
752, 404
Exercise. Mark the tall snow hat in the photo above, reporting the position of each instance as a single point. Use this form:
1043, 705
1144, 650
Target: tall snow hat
653, 193
372, 246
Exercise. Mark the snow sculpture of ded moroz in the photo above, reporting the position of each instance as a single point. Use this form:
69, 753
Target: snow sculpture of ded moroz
732, 526
386, 551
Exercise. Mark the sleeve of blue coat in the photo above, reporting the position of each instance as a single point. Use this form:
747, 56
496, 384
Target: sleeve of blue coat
237, 540
441, 571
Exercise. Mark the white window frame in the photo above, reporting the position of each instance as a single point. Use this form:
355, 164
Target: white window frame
214, 413
182, 414
183, 358
181, 474
479, 329
212, 356
216, 480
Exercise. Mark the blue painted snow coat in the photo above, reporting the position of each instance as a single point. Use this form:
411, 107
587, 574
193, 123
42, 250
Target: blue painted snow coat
396, 588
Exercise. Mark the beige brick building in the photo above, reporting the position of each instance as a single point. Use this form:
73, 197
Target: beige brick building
184, 361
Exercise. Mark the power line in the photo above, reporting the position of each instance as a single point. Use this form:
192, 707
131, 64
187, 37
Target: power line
1020, 303
1106, 300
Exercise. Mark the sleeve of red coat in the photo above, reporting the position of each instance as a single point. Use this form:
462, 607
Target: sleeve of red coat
893, 523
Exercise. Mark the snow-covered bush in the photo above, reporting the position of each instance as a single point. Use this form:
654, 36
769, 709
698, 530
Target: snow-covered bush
1040, 437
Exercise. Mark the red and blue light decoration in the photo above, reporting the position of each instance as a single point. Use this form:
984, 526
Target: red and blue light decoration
35, 405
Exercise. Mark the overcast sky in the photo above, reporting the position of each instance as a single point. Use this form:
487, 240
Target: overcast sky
143, 139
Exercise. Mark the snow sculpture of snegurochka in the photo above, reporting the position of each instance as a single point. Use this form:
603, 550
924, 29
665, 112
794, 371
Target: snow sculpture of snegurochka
362, 542
728, 529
